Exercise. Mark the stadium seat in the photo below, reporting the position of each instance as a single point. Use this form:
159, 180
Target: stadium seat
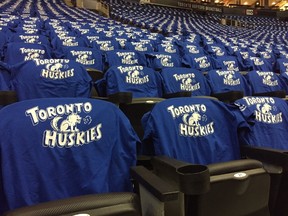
139, 80
228, 86
19, 51
265, 83
210, 158
201, 62
159, 60
266, 142
180, 79
41, 78
88, 57
63, 148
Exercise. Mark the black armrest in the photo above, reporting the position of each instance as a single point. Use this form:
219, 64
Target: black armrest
230, 96
192, 179
120, 203
178, 94
154, 184
8, 97
266, 155
120, 97
279, 94
95, 74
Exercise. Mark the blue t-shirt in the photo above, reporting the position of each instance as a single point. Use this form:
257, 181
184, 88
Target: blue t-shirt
141, 81
195, 130
88, 57
124, 58
178, 79
56, 148
157, 61
225, 81
265, 81
269, 120
199, 62
281, 65
41, 78
20, 51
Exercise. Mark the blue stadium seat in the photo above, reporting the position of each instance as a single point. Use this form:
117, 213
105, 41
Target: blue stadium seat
65, 150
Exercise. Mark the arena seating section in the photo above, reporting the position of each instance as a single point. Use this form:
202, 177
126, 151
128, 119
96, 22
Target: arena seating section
232, 79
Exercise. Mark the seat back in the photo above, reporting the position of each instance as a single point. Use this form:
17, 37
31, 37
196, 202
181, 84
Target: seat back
141, 81
266, 141
178, 79
63, 148
41, 78
191, 130
20, 51
228, 86
265, 82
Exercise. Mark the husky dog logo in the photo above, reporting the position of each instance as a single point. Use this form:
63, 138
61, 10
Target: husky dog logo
245, 55
134, 74
231, 65
265, 108
204, 63
257, 61
54, 67
33, 55
228, 76
105, 46
193, 49
230, 79
218, 51
193, 119
169, 48
266, 55
30, 40
129, 59
83, 57
269, 80
140, 47
165, 61
67, 125
187, 81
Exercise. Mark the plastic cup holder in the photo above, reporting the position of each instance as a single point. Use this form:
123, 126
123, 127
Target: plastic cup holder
194, 179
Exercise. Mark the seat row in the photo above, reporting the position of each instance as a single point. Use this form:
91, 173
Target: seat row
197, 156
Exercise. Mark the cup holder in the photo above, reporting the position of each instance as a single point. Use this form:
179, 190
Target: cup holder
194, 179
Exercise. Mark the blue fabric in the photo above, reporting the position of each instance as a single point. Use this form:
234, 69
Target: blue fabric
5, 77
263, 81
124, 57
157, 61
281, 65
227, 63
224, 81
269, 119
141, 81
195, 130
199, 62
179, 79
63, 147
88, 57
19, 51
50, 78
